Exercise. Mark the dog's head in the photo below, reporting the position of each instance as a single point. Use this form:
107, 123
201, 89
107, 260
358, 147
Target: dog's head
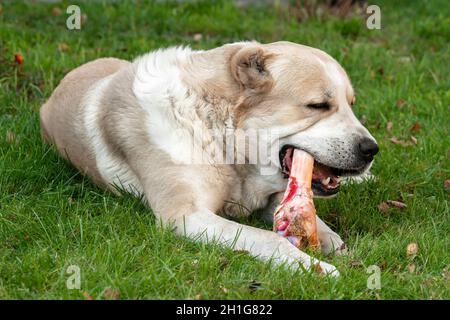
306, 96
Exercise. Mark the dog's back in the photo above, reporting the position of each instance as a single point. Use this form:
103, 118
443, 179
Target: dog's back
62, 115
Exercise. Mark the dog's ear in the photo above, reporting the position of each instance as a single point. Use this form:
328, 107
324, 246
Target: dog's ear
248, 67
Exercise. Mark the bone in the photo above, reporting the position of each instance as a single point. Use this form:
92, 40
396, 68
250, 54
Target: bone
295, 217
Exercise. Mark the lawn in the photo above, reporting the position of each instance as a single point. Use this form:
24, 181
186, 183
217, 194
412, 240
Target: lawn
51, 217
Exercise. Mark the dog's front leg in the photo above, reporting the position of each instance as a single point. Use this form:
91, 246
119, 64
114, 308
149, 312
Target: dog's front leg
187, 197
205, 226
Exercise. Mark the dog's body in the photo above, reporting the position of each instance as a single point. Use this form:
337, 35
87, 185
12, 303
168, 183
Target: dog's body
134, 125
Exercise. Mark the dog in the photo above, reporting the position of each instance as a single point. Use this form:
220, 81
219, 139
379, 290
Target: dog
133, 126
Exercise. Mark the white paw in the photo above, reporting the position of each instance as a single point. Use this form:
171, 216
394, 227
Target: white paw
331, 242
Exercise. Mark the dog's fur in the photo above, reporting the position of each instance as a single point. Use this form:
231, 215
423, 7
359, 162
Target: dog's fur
132, 125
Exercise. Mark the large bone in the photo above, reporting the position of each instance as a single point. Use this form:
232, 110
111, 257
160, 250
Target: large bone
295, 217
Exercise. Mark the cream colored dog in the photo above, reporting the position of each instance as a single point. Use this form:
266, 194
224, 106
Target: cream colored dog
149, 127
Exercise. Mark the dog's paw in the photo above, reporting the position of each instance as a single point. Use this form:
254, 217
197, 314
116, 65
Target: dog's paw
331, 242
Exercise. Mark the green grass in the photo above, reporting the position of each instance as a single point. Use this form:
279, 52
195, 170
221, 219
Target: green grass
52, 217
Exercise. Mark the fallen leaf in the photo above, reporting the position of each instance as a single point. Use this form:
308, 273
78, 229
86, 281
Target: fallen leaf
318, 269
383, 207
401, 103
412, 249
63, 47
394, 140
414, 139
447, 184
397, 204
198, 37
403, 143
416, 127
428, 282
224, 290
356, 264
11, 137
382, 264
56, 11
18, 58
87, 296
411, 268
112, 294
446, 274
84, 18
389, 126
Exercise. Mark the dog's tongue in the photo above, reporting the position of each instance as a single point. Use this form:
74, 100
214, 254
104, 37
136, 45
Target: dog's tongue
295, 217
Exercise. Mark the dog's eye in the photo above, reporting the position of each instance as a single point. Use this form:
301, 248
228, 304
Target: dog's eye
322, 105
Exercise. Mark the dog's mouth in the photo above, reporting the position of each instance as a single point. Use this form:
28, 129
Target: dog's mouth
326, 180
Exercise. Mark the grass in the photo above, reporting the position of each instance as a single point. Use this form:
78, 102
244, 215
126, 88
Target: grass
52, 217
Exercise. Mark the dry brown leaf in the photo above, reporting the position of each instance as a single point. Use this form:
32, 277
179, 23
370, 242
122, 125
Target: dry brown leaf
383, 207
389, 126
56, 11
383, 265
446, 274
414, 139
356, 264
447, 184
394, 140
412, 249
84, 19
411, 268
11, 137
198, 37
318, 269
401, 103
416, 127
63, 47
397, 204
112, 294
87, 296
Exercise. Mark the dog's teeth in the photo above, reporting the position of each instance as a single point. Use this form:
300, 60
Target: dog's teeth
326, 181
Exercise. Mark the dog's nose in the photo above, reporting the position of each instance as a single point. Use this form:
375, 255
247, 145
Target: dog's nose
368, 148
